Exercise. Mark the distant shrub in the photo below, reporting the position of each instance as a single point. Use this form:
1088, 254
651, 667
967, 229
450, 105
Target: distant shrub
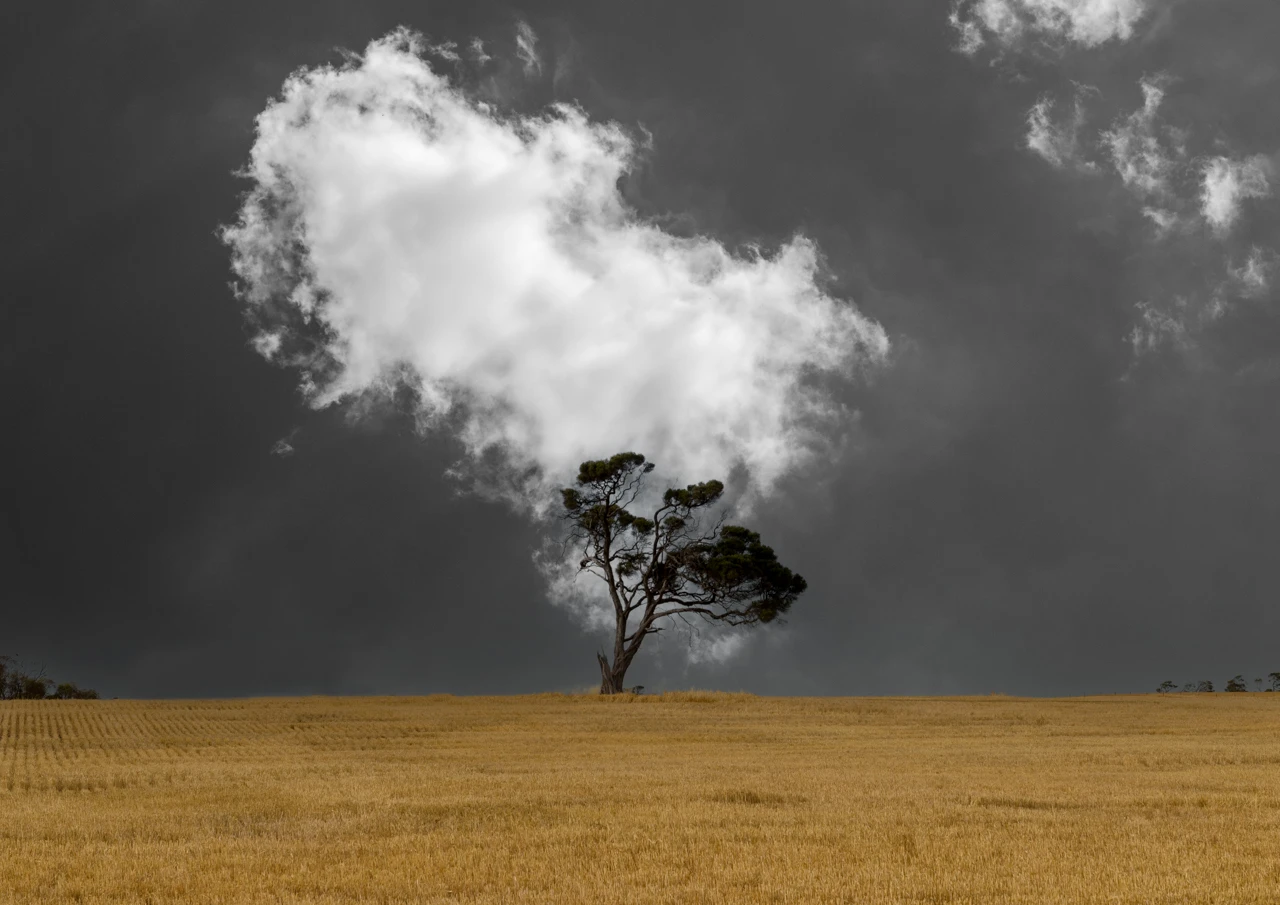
68, 691
1237, 684
32, 689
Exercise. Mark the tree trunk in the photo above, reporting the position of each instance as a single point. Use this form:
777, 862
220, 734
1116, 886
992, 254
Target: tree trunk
611, 679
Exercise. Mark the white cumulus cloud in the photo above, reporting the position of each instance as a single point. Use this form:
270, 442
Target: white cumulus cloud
1009, 23
1226, 183
398, 232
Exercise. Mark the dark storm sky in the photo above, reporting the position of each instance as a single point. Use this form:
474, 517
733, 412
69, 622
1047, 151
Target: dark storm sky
1035, 508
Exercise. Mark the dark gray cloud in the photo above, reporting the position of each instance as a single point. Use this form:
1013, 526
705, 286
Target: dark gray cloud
1031, 509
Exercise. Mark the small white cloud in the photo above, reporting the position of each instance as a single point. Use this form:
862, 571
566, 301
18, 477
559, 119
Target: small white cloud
1166, 221
477, 51
1159, 327
1253, 277
1215, 308
1177, 324
527, 48
970, 32
266, 344
447, 51
284, 446
1226, 183
1057, 142
1010, 23
717, 649
1139, 156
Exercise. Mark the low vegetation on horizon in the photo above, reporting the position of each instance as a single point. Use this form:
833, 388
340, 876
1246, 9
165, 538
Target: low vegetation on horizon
20, 683
1235, 684
693, 797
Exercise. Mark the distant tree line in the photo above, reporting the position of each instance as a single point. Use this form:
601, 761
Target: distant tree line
1237, 684
17, 684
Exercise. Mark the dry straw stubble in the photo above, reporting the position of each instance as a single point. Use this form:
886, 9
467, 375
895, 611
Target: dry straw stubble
684, 798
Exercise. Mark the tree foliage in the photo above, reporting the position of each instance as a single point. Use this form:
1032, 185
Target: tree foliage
674, 562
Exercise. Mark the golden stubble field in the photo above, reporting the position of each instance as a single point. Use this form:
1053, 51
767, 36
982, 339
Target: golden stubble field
689, 798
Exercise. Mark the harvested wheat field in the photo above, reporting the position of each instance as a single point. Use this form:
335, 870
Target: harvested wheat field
690, 798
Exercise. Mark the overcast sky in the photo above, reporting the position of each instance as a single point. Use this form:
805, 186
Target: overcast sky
307, 306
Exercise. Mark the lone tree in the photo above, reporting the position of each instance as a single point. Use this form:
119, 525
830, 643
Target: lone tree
676, 564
